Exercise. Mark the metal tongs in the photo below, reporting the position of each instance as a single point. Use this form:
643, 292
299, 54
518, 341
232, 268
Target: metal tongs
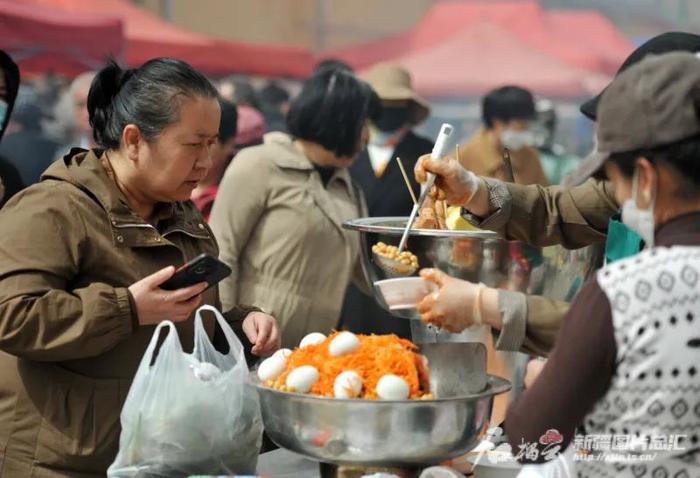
394, 266
438, 152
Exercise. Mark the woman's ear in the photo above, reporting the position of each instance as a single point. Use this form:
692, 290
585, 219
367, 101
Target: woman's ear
647, 183
132, 141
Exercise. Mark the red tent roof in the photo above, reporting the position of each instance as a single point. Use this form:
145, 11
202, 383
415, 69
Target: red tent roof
579, 45
464, 65
41, 39
148, 36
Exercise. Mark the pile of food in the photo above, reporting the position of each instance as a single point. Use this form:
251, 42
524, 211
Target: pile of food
345, 365
405, 258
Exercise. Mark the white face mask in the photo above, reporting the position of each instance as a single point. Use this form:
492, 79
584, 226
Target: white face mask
639, 220
515, 139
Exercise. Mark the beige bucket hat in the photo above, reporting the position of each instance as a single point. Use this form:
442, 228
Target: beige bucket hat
391, 81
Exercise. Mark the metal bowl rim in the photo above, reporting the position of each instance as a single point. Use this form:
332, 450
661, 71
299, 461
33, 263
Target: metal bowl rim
372, 224
495, 386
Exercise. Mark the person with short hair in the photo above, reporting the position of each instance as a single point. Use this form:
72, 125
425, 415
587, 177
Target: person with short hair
83, 254
281, 206
507, 115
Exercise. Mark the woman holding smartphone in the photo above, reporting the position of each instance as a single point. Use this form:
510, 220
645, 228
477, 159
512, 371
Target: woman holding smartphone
82, 256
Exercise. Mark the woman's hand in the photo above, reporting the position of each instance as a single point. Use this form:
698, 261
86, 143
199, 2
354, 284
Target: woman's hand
154, 305
262, 331
452, 307
458, 185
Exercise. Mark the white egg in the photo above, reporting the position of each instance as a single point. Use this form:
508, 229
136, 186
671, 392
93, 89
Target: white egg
284, 353
344, 343
301, 379
392, 387
314, 338
347, 385
271, 368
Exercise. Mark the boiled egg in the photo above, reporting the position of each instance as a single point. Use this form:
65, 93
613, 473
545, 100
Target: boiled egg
314, 338
347, 385
344, 343
301, 379
284, 353
392, 387
271, 368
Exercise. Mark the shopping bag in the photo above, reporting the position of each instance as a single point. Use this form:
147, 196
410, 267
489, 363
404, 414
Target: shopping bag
189, 414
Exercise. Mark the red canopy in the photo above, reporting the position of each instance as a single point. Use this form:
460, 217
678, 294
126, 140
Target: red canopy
480, 42
148, 36
41, 39
463, 65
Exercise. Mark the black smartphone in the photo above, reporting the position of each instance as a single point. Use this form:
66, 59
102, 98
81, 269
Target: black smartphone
203, 268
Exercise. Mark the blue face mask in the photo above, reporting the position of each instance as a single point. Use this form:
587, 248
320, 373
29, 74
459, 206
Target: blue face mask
3, 112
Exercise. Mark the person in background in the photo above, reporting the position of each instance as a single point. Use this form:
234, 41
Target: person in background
221, 155
251, 127
574, 217
507, 114
626, 359
82, 256
239, 91
281, 205
27, 147
71, 112
10, 180
377, 173
556, 162
274, 102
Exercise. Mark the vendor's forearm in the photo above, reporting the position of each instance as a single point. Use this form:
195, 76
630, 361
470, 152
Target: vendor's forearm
491, 315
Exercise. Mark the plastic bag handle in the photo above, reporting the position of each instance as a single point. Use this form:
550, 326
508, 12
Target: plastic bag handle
234, 344
171, 340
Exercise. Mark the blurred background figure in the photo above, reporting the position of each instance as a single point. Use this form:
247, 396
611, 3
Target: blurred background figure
556, 162
10, 180
72, 124
507, 117
26, 145
251, 127
239, 91
221, 155
274, 101
379, 176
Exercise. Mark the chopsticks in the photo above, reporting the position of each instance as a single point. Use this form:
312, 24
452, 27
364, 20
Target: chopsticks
405, 178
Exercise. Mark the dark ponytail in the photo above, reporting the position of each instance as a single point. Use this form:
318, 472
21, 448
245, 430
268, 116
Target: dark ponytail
143, 96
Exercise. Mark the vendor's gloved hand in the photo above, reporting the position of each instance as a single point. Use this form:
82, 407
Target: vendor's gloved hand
450, 308
456, 183
263, 332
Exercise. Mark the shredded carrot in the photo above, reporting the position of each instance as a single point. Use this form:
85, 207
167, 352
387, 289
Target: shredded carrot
378, 355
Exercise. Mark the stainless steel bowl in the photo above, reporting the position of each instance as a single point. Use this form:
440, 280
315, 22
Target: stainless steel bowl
479, 256
391, 433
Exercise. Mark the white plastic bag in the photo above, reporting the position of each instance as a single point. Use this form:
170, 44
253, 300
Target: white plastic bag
189, 414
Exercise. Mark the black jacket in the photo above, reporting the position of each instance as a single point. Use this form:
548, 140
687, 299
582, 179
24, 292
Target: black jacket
8, 173
386, 196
